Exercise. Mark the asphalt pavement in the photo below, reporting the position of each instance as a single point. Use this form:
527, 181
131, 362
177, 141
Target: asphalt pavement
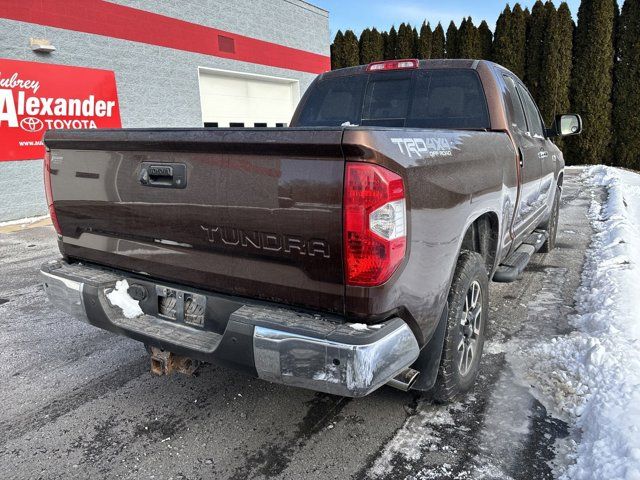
78, 402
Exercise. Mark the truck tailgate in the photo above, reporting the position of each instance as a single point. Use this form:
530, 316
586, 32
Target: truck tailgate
254, 213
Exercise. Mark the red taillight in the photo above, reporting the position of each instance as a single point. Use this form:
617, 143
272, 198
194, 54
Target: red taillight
375, 225
48, 192
393, 65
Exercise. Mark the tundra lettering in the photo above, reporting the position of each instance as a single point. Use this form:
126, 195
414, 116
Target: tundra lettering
267, 241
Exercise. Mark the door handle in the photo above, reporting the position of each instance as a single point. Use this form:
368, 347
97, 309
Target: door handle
163, 175
520, 157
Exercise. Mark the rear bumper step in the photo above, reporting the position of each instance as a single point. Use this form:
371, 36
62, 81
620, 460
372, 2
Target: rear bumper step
276, 344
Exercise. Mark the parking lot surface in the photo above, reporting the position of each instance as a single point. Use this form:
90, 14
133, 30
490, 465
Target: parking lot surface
78, 402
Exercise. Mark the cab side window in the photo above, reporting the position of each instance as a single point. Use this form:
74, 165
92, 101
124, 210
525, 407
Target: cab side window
536, 127
514, 105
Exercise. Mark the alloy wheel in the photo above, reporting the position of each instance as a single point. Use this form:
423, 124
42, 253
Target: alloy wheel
470, 326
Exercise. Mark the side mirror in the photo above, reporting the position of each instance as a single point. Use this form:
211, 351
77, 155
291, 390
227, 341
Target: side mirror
566, 125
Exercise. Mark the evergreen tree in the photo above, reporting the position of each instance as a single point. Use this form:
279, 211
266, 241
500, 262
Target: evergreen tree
351, 49
337, 51
451, 48
390, 44
385, 42
616, 36
592, 81
458, 37
332, 56
556, 63
518, 38
377, 42
502, 48
537, 37
416, 42
510, 38
468, 40
364, 45
486, 41
626, 97
371, 46
437, 42
424, 43
404, 47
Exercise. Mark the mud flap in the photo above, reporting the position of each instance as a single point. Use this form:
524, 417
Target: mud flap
428, 362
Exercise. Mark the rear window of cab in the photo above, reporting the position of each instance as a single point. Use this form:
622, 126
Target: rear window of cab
446, 98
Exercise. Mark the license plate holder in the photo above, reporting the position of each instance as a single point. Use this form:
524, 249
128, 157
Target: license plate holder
181, 306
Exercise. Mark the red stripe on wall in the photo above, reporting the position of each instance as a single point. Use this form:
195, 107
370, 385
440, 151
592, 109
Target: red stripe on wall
103, 18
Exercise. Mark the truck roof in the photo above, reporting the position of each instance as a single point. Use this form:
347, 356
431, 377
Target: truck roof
438, 63
423, 64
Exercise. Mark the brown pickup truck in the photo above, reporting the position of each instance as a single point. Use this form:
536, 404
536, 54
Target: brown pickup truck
349, 251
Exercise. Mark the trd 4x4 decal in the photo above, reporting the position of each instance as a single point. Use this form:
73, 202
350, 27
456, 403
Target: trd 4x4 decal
423, 147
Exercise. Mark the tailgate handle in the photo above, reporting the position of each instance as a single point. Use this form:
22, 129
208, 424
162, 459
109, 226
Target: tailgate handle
163, 175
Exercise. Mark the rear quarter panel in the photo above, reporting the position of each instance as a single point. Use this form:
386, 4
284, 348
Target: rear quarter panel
451, 179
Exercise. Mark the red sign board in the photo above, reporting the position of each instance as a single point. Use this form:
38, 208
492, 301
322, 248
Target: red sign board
36, 97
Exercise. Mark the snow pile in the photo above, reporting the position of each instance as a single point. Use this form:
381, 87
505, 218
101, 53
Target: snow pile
119, 297
592, 376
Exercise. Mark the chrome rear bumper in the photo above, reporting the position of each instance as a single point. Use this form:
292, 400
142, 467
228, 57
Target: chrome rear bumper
339, 368
277, 344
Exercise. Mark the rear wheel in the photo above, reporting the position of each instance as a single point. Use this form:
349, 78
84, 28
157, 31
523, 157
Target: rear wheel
464, 337
552, 224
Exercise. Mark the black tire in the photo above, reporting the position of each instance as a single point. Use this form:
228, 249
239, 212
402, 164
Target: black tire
457, 373
552, 224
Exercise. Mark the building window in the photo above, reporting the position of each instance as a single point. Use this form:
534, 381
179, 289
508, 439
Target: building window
260, 125
210, 124
236, 125
282, 125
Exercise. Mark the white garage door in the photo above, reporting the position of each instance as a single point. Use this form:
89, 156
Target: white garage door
232, 99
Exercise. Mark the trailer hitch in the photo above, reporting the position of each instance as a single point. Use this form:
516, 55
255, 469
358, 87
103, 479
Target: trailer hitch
166, 363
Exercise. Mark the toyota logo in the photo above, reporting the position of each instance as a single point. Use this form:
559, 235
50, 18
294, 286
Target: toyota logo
31, 124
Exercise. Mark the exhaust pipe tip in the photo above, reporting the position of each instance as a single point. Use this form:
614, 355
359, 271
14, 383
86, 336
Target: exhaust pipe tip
404, 380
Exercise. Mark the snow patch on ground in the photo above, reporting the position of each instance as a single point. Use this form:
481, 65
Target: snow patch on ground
119, 297
591, 377
23, 221
412, 438
494, 348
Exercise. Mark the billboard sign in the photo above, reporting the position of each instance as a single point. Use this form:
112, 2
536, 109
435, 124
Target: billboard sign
36, 97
